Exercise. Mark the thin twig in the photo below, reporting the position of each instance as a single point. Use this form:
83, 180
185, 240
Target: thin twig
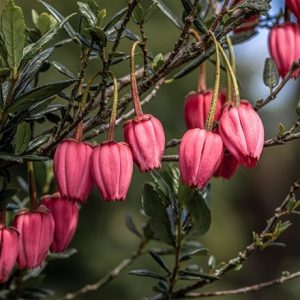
247, 289
109, 276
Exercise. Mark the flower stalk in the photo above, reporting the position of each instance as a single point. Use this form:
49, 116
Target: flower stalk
113, 117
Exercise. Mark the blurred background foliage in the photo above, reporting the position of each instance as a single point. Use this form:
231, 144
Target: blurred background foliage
239, 206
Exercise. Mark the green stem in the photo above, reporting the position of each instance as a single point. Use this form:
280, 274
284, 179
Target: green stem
212, 108
32, 187
233, 64
113, 117
134, 88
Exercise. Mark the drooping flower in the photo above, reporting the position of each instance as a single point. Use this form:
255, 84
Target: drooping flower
242, 132
197, 105
228, 166
9, 243
36, 230
65, 215
72, 172
284, 46
112, 166
146, 138
200, 154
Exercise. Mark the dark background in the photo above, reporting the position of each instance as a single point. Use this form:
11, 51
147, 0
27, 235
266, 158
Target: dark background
239, 206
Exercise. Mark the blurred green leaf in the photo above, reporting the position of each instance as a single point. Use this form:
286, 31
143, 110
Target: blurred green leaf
87, 13
38, 94
138, 14
256, 5
168, 13
270, 74
13, 29
147, 273
38, 141
116, 18
131, 225
101, 17
161, 262
93, 6
62, 69
158, 61
22, 138
298, 108
156, 210
150, 11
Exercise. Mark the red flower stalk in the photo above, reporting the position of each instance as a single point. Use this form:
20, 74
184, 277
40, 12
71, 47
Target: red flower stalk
144, 134
197, 105
294, 7
242, 132
71, 166
227, 167
36, 230
65, 215
284, 46
9, 241
112, 167
200, 154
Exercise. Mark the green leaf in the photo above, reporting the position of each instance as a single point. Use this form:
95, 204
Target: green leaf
100, 17
87, 13
60, 18
298, 108
22, 138
150, 11
31, 50
45, 22
98, 36
116, 18
158, 61
156, 210
160, 261
131, 226
62, 69
281, 130
168, 13
256, 5
147, 273
13, 29
200, 214
138, 14
270, 75
93, 6
38, 141
38, 94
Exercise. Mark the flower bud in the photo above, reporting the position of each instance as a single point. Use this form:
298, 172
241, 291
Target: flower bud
9, 241
36, 230
146, 138
227, 167
196, 108
200, 154
294, 7
65, 215
242, 132
71, 166
112, 166
284, 46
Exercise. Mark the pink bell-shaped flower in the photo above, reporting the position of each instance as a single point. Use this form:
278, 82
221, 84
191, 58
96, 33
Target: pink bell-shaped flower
71, 166
146, 138
284, 46
9, 242
65, 215
200, 154
197, 105
112, 166
242, 132
228, 166
294, 7
36, 230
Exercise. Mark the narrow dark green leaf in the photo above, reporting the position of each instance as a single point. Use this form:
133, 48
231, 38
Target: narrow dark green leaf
38, 94
38, 141
147, 273
93, 6
192, 275
31, 50
138, 14
168, 13
156, 210
62, 69
131, 226
10, 157
13, 29
116, 18
160, 261
270, 75
60, 18
87, 13
22, 138
30, 71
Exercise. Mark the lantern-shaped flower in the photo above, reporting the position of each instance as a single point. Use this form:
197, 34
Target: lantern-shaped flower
36, 230
65, 215
72, 172
284, 46
200, 155
228, 166
9, 241
242, 132
112, 167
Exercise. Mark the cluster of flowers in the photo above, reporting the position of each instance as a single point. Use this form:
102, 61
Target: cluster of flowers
284, 42
49, 227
